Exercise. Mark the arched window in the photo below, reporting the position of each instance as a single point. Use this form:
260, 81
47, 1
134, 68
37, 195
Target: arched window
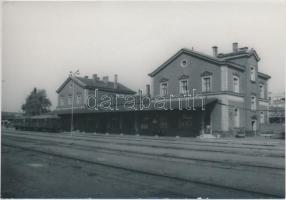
261, 90
252, 74
262, 118
235, 83
253, 102
236, 118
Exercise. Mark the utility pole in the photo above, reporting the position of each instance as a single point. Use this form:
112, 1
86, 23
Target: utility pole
73, 75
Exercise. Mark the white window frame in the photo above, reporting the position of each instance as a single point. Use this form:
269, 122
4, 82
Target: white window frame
252, 73
261, 91
78, 99
236, 118
62, 101
253, 103
161, 88
203, 83
70, 100
181, 84
262, 117
235, 87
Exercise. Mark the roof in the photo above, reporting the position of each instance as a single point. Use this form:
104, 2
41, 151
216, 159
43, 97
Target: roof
97, 84
216, 60
121, 107
242, 52
262, 75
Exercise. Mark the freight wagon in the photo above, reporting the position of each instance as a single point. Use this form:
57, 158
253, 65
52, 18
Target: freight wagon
48, 122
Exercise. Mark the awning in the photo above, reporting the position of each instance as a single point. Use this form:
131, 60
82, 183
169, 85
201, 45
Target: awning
144, 105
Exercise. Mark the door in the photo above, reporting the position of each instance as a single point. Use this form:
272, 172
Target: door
253, 126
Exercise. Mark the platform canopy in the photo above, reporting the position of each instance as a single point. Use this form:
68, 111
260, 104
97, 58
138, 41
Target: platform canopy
137, 105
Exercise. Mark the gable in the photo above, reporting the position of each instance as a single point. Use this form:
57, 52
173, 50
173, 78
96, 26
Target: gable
67, 81
197, 55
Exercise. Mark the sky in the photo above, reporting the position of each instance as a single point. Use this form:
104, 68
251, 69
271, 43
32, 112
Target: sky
43, 41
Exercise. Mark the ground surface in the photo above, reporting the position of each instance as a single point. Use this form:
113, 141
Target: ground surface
61, 165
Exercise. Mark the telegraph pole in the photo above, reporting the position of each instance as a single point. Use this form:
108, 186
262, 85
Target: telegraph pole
73, 75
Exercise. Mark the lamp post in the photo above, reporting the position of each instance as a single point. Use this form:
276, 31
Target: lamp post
72, 75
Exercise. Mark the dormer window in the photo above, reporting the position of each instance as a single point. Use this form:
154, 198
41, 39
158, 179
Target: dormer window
261, 90
183, 86
236, 84
164, 88
252, 74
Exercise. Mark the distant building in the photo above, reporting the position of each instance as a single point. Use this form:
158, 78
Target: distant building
235, 95
75, 92
277, 108
10, 116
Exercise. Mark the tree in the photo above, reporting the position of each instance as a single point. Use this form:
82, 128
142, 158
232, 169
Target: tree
36, 103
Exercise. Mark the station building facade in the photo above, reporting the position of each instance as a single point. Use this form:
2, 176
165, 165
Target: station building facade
234, 93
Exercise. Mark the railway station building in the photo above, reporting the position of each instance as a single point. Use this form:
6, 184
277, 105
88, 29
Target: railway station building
231, 96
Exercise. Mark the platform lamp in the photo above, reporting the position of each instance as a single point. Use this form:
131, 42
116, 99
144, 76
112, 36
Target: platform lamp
72, 75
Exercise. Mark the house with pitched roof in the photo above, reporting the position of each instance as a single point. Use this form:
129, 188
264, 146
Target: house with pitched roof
231, 97
73, 95
232, 78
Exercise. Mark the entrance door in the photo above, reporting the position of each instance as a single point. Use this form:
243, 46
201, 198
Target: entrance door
253, 125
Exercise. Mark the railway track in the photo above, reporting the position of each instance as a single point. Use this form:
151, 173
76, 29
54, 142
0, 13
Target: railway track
44, 144
193, 146
73, 143
166, 140
227, 191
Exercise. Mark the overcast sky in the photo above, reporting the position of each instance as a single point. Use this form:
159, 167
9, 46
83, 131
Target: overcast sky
43, 41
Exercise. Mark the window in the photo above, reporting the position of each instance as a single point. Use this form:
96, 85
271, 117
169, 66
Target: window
163, 123
206, 84
70, 85
262, 118
78, 99
252, 74
185, 121
69, 100
163, 88
236, 84
236, 118
145, 123
261, 91
253, 102
183, 86
184, 63
62, 101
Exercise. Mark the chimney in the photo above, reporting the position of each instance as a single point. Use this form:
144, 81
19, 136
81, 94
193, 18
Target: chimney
115, 81
105, 79
215, 51
148, 90
235, 47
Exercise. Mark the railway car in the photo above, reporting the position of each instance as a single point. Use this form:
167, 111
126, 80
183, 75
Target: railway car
47, 122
